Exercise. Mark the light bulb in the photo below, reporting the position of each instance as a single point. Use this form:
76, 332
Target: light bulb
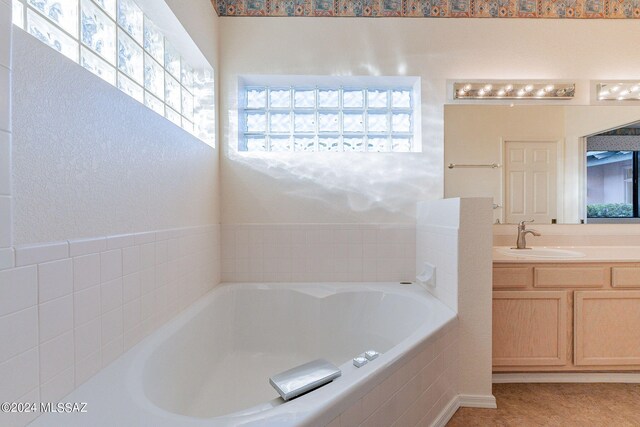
528, 88
508, 88
488, 88
548, 88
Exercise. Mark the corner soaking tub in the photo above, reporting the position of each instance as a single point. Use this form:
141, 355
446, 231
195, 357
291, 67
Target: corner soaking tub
211, 364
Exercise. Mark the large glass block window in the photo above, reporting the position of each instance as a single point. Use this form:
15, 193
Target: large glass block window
116, 41
326, 118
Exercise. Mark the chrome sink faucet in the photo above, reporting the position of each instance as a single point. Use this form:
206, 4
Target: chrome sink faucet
522, 234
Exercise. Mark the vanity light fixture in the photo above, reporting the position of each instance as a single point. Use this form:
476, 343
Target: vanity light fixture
484, 90
619, 91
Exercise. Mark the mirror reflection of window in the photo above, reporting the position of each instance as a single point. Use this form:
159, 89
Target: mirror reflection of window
613, 160
610, 184
628, 185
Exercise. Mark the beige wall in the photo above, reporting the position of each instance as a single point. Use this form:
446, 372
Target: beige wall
385, 187
107, 164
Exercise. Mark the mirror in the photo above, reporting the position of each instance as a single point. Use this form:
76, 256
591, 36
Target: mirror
552, 161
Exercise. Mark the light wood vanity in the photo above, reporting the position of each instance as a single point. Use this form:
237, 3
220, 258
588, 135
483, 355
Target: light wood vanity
566, 315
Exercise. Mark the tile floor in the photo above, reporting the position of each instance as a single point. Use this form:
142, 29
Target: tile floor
561, 405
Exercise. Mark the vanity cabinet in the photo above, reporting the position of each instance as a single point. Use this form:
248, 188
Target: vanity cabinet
566, 317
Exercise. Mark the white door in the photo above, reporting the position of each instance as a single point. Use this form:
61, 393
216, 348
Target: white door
530, 181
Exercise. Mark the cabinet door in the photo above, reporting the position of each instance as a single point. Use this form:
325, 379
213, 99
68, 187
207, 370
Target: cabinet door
607, 328
530, 328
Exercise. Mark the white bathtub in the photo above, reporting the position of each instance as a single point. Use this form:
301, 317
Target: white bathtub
211, 364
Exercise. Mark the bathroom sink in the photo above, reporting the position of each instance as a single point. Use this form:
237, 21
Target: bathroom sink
542, 253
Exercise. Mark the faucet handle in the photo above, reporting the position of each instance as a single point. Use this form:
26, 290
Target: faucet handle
522, 223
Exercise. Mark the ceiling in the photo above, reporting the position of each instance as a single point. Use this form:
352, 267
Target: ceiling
570, 9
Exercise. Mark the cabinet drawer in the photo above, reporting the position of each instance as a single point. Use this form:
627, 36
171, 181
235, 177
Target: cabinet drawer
625, 277
512, 277
577, 277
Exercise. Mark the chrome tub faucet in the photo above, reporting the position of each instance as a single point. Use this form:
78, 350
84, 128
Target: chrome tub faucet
522, 234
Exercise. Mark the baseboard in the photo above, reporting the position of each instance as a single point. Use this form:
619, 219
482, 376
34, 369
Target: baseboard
568, 377
445, 415
477, 401
466, 401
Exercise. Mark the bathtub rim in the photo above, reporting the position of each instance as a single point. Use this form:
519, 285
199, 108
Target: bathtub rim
312, 408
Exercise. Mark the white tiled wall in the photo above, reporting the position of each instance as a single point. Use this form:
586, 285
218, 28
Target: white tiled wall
437, 230
475, 261
70, 308
317, 252
415, 393
6, 253
438, 246
456, 236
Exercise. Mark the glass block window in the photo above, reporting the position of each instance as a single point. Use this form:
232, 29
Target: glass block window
116, 41
339, 118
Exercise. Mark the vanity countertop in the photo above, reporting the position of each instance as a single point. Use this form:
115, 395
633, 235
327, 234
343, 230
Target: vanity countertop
591, 254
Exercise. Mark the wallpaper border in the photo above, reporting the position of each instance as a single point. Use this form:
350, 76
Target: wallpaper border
542, 9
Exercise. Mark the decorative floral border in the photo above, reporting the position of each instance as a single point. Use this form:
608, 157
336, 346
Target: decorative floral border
582, 9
